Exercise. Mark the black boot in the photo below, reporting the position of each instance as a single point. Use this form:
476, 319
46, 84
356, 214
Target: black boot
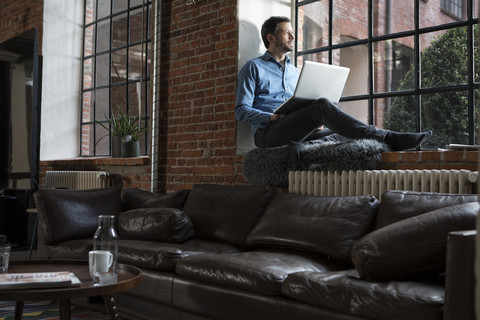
398, 141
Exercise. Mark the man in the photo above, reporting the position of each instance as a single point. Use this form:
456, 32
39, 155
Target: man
267, 81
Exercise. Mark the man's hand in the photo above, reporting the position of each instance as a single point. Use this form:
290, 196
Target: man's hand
276, 116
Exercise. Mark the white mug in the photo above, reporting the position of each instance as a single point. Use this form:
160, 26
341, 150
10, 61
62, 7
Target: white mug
99, 261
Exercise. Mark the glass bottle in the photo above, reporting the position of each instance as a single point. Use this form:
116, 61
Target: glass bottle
105, 251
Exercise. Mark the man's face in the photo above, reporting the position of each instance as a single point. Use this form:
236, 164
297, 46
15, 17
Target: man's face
284, 39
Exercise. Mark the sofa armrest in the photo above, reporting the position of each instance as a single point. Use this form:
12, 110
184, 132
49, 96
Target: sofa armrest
460, 277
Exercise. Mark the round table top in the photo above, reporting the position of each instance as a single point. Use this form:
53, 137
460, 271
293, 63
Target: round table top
128, 277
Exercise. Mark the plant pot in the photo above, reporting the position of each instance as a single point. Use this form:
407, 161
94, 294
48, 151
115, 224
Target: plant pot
116, 146
130, 149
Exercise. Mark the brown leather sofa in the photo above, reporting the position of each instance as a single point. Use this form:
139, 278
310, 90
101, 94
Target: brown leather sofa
250, 252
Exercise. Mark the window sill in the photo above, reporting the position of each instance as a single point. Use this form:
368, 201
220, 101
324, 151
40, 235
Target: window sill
98, 161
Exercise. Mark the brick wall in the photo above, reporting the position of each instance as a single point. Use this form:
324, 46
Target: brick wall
18, 17
199, 70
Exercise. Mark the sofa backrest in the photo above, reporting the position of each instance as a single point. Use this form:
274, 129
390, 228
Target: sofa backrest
226, 213
133, 198
400, 205
325, 225
73, 214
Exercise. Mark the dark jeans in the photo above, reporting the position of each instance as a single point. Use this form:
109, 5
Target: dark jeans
302, 125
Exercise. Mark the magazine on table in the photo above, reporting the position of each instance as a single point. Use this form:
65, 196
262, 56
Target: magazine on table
38, 280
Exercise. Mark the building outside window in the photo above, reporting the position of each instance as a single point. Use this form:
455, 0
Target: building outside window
116, 69
413, 63
453, 7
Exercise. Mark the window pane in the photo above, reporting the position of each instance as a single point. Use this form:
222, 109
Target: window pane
103, 8
134, 99
87, 106
89, 41
119, 66
103, 36
119, 31
119, 98
394, 65
399, 113
355, 58
317, 57
88, 67
135, 62
398, 17
446, 114
119, 5
433, 13
136, 26
102, 143
102, 70
312, 26
88, 143
357, 109
444, 58
102, 104
381, 106
353, 25
90, 13
476, 8
134, 3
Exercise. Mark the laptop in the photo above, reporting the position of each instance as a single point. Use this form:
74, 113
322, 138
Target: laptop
317, 80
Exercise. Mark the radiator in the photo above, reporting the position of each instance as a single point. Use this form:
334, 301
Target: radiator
375, 182
78, 180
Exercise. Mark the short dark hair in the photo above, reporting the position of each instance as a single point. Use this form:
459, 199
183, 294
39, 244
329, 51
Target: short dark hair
270, 26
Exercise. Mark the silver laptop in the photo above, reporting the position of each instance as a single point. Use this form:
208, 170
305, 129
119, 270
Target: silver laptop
317, 80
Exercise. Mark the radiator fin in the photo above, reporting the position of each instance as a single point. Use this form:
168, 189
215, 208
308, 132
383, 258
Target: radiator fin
376, 182
78, 180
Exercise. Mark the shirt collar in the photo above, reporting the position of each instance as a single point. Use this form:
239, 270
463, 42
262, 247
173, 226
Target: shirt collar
267, 56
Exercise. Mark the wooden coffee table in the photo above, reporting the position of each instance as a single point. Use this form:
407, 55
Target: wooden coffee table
128, 277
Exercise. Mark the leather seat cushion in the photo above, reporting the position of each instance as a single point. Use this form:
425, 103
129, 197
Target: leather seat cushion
227, 213
133, 198
413, 245
73, 214
164, 256
156, 224
326, 225
344, 291
399, 205
254, 271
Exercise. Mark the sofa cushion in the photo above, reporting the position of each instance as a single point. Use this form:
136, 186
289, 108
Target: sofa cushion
73, 214
327, 225
344, 292
226, 213
412, 245
164, 256
133, 198
260, 271
399, 205
156, 224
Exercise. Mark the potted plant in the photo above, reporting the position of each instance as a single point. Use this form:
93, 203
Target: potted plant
125, 131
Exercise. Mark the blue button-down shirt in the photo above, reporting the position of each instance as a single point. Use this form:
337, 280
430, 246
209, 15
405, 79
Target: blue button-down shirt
263, 85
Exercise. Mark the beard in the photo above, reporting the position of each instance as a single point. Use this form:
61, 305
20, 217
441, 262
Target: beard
285, 47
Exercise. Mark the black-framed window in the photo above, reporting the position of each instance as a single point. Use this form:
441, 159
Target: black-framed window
413, 66
116, 70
